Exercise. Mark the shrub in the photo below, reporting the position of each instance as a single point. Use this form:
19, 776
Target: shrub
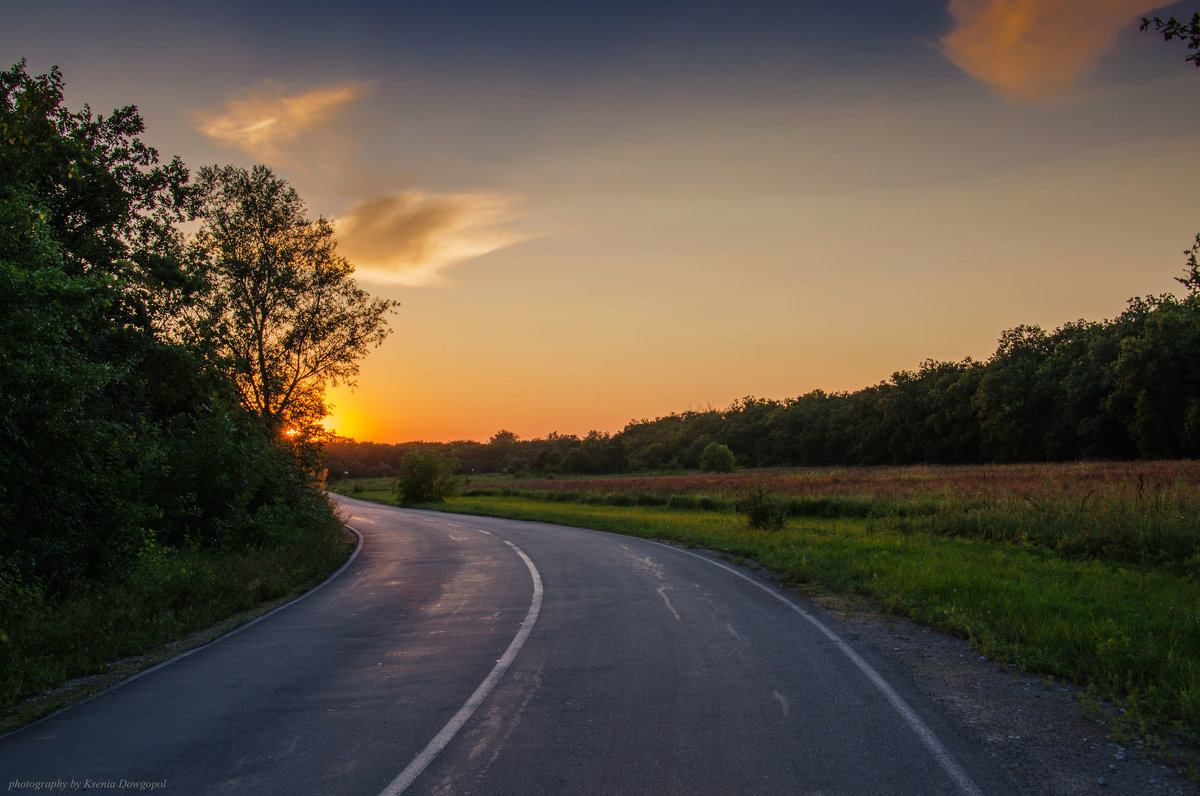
716, 458
425, 477
762, 509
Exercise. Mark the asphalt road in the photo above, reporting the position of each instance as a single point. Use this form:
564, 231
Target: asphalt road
472, 655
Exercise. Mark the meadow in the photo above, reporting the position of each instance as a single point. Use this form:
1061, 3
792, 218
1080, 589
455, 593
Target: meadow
1086, 572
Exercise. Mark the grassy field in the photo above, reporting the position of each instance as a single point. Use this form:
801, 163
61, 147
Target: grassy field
1088, 572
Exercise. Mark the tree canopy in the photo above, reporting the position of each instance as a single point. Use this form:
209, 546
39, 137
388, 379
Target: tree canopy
279, 308
85, 235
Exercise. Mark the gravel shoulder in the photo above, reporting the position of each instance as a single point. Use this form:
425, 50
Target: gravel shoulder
1050, 738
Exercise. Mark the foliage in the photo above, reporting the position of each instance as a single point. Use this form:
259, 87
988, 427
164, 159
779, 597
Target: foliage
279, 309
122, 446
425, 477
1191, 279
763, 510
84, 215
1172, 28
716, 458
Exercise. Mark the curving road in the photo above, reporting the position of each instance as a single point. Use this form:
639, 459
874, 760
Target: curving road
474, 655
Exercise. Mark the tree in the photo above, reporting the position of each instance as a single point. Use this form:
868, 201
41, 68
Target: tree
1191, 279
425, 477
280, 312
716, 458
1014, 402
1156, 377
596, 453
85, 225
1174, 29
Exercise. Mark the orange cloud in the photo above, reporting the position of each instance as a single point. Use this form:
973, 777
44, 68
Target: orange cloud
409, 238
266, 119
1032, 50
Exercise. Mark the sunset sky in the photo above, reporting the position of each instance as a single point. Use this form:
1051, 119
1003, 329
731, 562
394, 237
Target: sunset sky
599, 212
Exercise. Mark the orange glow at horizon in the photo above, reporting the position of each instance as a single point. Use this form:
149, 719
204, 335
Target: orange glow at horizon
346, 420
553, 402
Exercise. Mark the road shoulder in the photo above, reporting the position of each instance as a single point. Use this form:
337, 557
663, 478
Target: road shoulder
1049, 736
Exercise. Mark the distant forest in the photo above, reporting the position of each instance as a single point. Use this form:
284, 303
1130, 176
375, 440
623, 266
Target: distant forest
1125, 388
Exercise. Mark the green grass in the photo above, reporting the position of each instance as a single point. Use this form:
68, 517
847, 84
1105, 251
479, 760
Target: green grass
1102, 590
379, 490
104, 633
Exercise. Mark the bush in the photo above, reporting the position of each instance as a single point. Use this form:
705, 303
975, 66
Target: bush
762, 509
425, 477
716, 458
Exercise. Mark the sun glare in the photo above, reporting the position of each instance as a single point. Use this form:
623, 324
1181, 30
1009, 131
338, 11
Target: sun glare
343, 421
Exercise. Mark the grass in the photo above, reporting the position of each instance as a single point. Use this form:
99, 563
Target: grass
1130, 512
1087, 572
174, 600
379, 490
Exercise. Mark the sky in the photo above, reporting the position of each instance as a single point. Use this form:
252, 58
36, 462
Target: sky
594, 213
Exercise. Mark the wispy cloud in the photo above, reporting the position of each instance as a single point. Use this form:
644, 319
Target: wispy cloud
410, 237
266, 119
1033, 50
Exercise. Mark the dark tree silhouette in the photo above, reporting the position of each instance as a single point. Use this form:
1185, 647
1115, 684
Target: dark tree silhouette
1172, 28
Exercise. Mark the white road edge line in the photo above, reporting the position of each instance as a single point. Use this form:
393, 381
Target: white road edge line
957, 774
440, 741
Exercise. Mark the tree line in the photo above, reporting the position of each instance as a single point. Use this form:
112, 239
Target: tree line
1123, 388
158, 390
1118, 389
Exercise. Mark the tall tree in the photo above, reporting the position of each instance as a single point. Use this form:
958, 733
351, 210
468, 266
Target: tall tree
280, 312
